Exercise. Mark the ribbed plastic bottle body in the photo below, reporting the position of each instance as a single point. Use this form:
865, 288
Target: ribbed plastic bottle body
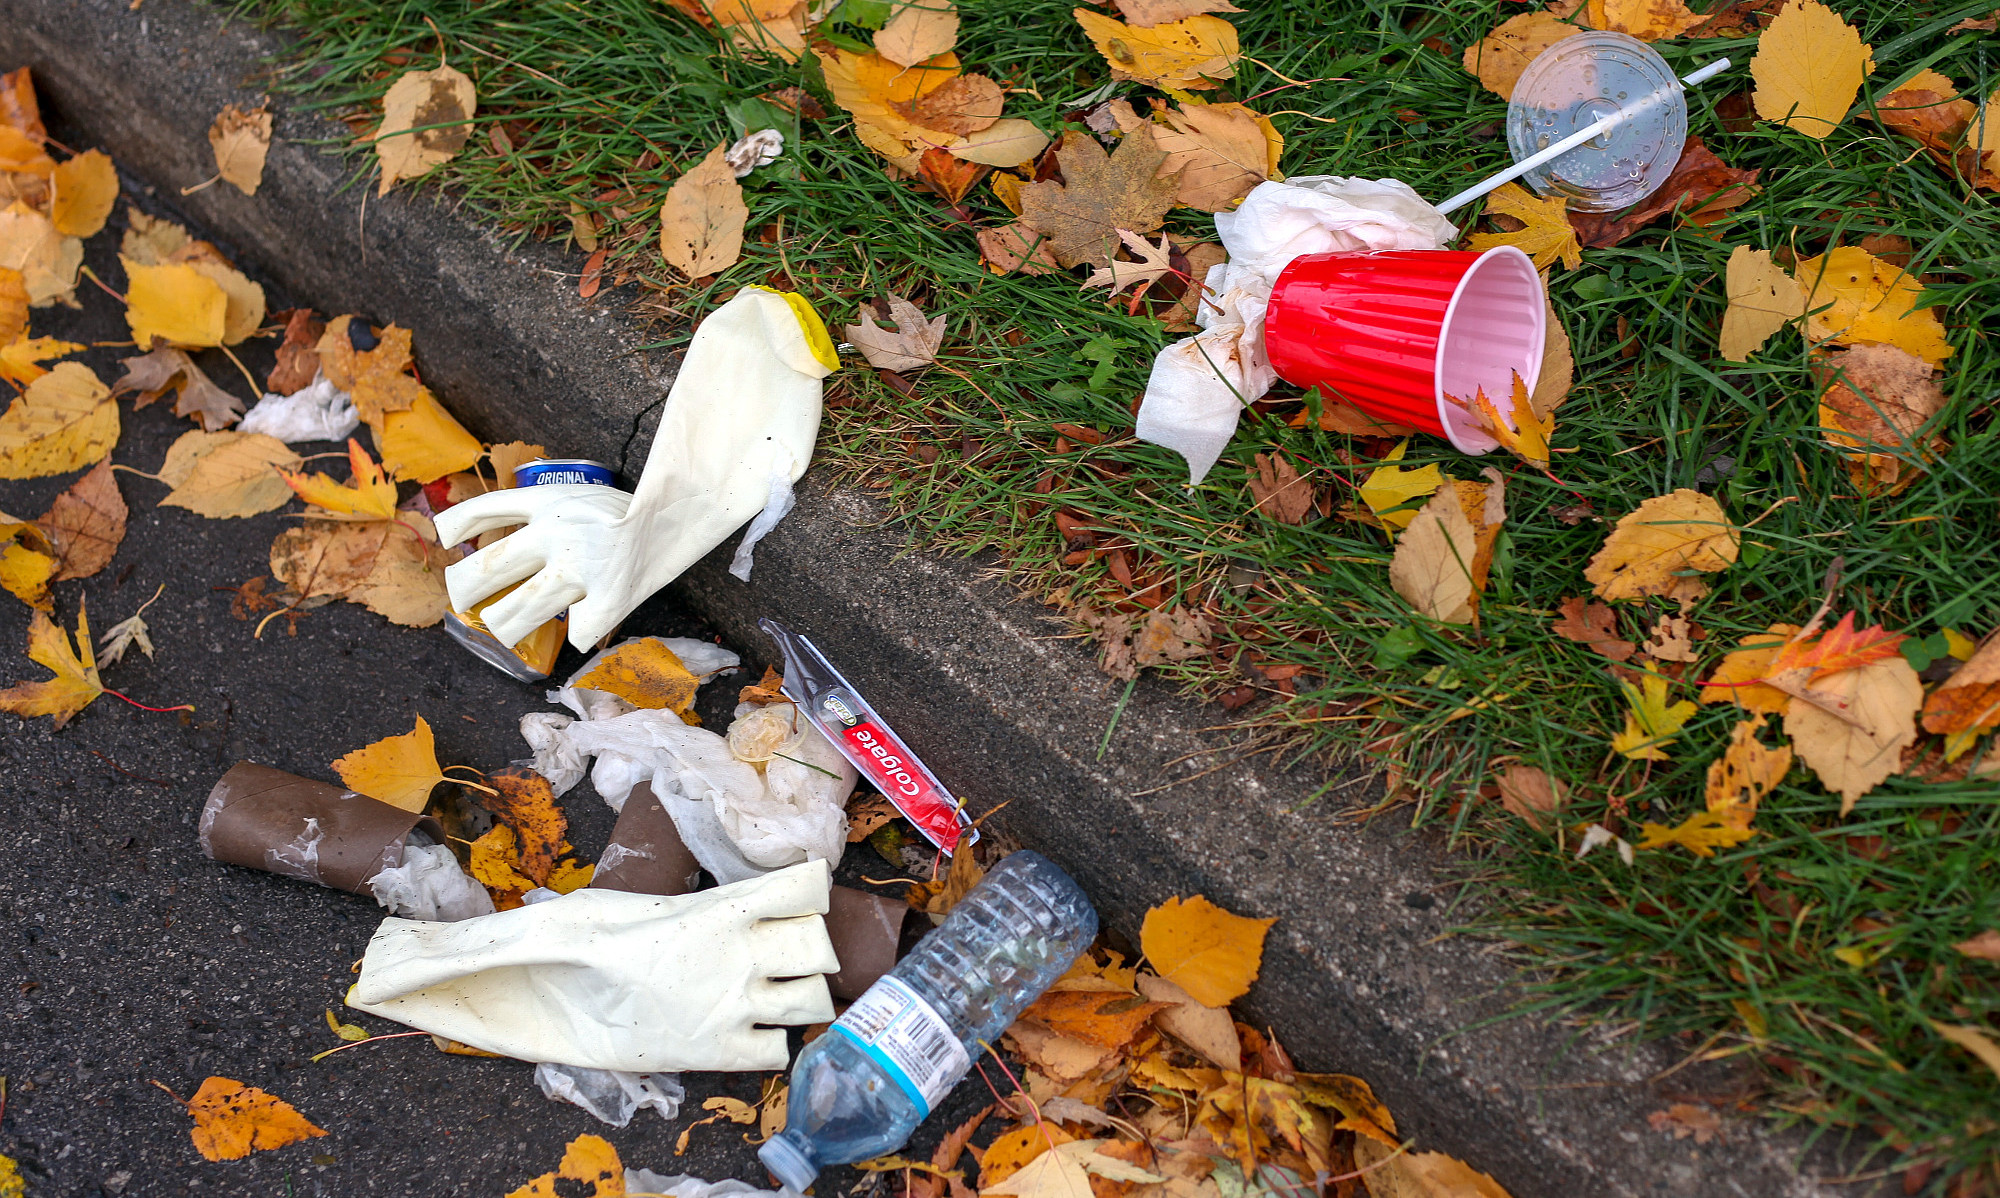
1006, 942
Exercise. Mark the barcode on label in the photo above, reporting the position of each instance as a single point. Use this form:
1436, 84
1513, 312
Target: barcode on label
904, 1035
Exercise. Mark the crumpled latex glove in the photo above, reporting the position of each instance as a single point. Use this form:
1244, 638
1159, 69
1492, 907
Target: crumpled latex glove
612, 980
1200, 384
744, 408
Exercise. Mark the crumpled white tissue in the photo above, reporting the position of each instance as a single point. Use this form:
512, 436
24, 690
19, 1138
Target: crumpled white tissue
684, 1185
555, 757
775, 509
429, 884
319, 411
613, 1096
1200, 384
614, 775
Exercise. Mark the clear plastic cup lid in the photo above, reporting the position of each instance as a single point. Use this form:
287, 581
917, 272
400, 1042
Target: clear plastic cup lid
1573, 84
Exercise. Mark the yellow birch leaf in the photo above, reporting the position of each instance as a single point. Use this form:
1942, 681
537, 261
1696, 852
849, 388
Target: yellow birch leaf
496, 859
509, 456
1854, 735
426, 117
1006, 142
12, 1185
64, 421
1188, 55
570, 876
424, 442
1389, 486
86, 189
177, 303
1211, 953
368, 494
1650, 724
644, 673
1433, 564
21, 360
1744, 774
1558, 371
227, 475
1736, 679
46, 259
27, 563
1808, 68
701, 223
243, 310
918, 31
1647, 20
1701, 834
878, 94
240, 142
75, 684
399, 770
1547, 235
1855, 297
349, 1032
1652, 546
232, 1120
1421, 1174
1763, 298
1499, 58
590, 1167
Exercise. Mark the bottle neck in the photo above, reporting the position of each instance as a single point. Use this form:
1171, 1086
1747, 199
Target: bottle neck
789, 1157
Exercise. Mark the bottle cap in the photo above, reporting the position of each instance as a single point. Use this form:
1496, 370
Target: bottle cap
1580, 80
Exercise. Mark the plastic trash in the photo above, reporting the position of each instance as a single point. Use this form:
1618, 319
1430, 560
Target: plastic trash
777, 505
430, 884
610, 980
555, 758
644, 1183
318, 411
612, 1096
1200, 384
745, 405
860, 1090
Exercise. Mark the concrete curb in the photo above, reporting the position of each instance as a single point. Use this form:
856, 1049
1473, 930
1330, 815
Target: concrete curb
1355, 975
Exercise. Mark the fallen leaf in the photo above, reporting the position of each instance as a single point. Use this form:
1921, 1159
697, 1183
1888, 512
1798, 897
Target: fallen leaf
918, 31
326, 557
13, 305
782, 36
1174, 634
1800, 662
1670, 640
1701, 189
1651, 547
1983, 947
1647, 20
962, 105
1546, 235
20, 359
64, 421
1390, 486
27, 563
1877, 400
1105, 1019
1854, 734
1519, 430
349, 1032
130, 631
590, 1169
1218, 152
425, 443
701, 223
645, 673
1280, 491
379, 379
399, 770
1432, 566
240, 140
1929, 109
1207, 951
494, 861
45, 258
1059, 1057
1148, 13
1966, 704
1017, 247
174, 303
18, 106
1190, 54
1153, 263
951, 178
527, 804
1420, 1174
367, 495
1594, 626
1685, 1119
298, 354
232, 1120
509, 456
405, 579
1361, 1112
1974, 1040
1100, 195
152, 374
1763, 298
1209, 1031
1808, 68
1528, 792
1744, 774
880, 95
1736, 680
1054, 1173
570, 877
1856, 297
151, 240
1651, 724
84, 190
1499, 58
86, 523
1558, 371
75, 684
911, 347
227, 475
426, 119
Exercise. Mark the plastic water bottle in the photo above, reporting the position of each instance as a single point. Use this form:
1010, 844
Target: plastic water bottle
860, 1090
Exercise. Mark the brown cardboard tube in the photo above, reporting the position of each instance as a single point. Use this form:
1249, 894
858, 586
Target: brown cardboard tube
646, 855
284, 824
864, 929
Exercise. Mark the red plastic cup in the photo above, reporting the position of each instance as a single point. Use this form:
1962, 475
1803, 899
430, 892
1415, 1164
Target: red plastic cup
1394, 332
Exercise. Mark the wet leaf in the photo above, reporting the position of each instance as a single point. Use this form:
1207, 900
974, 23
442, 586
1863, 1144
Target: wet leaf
1391, 486
1594, 626
86, 523
1744, 774
1651, 724
590, 1169
240, 141
1207, 951
913, 344
1186, 55
232, 1120
1499, 58
1763, 298
228, 474
85, 190
27, 562
1664, 538
65, 421
1808, 68
75, 684
426, 118
1856, 297
1432, 566
1854, 732
367, 495
644, 673
701, 223
1100, 195
917, 31
399, 770
1546, 235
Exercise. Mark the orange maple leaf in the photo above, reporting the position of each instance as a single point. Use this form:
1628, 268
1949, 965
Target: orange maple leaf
1840, 648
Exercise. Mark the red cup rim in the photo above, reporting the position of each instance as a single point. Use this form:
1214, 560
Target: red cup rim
1446, 410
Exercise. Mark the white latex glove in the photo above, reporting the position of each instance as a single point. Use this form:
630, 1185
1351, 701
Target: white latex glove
611, 980
744, 407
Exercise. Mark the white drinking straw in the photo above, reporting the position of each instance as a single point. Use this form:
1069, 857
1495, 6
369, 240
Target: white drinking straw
1607, 123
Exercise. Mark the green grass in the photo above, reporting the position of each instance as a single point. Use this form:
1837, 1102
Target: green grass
1671, 945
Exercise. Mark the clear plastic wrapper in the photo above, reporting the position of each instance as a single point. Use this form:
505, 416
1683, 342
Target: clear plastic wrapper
613, 1097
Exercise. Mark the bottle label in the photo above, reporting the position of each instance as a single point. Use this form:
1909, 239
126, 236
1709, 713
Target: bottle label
908, 1038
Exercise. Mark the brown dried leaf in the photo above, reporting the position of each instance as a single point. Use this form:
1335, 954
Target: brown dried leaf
962, 105
1499, 58
1281, 492
1531, 794
1701, 188
86, 523
1594, 626
701, 223
1432, 566
1100, 195
298, 354
912, 345
240, 141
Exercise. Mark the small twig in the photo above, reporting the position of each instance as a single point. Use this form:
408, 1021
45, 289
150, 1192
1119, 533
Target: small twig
354, 1044
255, 388
92, 276
170, 1094
1404, 1147
211, 180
